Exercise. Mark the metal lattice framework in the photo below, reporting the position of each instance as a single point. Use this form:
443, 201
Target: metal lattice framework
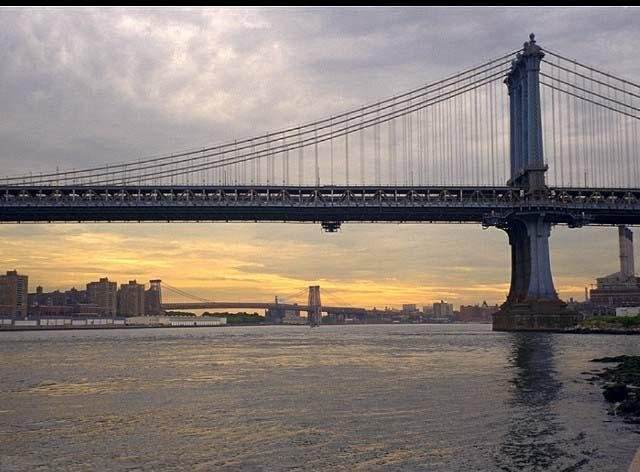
314, 204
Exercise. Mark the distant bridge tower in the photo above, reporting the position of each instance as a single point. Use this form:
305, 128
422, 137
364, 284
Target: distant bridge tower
532, 301
153, 298
315, 306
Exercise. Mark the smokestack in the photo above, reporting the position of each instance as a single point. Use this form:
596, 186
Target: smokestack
625, 237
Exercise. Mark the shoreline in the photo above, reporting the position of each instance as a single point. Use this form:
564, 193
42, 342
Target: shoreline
574, 330
228, 325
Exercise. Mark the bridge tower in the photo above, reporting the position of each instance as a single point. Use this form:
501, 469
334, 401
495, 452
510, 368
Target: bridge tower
315, 306
153, 298
532, 302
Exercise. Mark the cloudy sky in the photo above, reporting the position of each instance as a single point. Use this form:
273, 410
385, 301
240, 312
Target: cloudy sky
90, 86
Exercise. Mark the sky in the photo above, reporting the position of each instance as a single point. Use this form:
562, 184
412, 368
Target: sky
86, 86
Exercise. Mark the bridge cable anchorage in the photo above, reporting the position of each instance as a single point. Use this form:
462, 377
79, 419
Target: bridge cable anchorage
238, 148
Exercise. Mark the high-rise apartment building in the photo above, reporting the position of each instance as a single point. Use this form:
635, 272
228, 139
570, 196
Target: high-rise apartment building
14, 293
104, 294
442, 309
409, 308
131, 299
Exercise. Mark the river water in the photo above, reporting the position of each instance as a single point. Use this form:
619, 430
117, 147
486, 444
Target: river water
333, 398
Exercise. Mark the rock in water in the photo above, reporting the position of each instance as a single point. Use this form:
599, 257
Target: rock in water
615, 392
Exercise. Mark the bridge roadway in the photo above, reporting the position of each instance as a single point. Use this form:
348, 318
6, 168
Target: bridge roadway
258, 305
312, 204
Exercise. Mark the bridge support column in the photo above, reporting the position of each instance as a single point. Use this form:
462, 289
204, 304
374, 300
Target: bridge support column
532, 303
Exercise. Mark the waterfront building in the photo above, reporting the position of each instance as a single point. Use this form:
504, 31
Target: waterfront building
293, 317
104, 295
280, 315
39, 311
628, 311
75, 297
87, 309
477, 313
176, 321
442, 309
67, 298
42, 298
131, 298
14, 294
408, 308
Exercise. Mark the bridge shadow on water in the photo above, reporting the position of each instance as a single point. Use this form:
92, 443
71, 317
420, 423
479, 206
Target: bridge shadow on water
536, 437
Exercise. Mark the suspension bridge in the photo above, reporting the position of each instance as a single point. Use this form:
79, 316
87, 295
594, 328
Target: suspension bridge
557, 145
314, 307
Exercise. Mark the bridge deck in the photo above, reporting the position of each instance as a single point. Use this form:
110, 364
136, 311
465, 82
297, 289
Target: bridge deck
255, 305
313, 204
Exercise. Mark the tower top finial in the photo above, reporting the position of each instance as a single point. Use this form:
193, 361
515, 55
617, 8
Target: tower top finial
532, 38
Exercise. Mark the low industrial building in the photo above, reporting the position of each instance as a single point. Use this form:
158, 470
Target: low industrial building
176, 321
622, 288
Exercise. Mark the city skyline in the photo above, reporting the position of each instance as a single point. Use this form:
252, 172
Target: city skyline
230, 283
135, 82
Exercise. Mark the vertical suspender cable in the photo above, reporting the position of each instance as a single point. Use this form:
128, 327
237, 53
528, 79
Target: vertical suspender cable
389, 160
492, 115
505, 119
376, 138
449, 122
570, 136
404, 149
429, 150
285, 163
331, 147
346, 152
361, 153
317, 168
411, 148
466, 154
561, 143
553, 134
300, 163
625, 123
476, 139
579, 158
620, 145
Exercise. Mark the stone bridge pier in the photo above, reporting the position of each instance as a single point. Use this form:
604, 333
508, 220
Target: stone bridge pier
532, 303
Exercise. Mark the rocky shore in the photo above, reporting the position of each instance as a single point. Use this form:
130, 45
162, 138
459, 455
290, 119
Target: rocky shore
609, 325
621, 386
